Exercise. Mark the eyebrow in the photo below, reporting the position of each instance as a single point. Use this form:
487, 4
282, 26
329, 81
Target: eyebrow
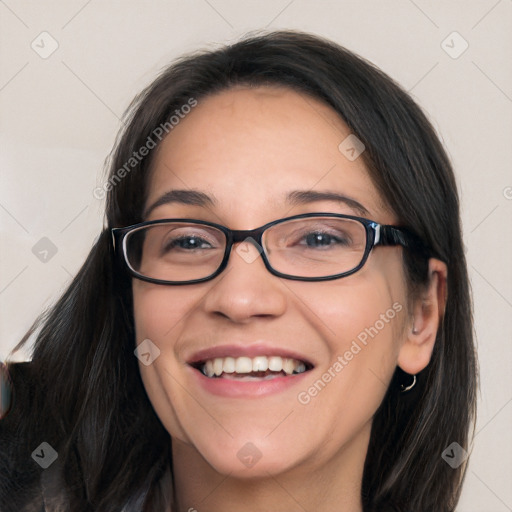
293, 198
300, 197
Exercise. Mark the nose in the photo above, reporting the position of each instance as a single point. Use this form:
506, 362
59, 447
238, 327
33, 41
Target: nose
245, 288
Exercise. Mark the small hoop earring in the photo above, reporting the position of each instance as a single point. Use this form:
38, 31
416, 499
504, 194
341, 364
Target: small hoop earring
404, 388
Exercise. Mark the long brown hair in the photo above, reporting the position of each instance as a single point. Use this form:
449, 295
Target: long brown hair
95, 409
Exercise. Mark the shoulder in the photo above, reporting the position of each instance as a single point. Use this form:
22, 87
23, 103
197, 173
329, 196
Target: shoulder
20, 488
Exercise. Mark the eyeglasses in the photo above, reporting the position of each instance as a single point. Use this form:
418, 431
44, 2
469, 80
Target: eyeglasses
306, 247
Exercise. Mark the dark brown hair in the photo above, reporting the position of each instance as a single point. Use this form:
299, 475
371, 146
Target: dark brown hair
95, 410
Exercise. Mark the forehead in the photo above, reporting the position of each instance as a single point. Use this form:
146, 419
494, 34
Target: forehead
249, 147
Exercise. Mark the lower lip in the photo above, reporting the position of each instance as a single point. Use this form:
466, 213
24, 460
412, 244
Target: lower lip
246, 389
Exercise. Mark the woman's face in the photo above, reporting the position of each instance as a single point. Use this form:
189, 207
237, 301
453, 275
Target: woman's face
247, 149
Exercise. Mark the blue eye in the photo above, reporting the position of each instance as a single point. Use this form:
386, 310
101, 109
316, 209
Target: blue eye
319, 239
187, 243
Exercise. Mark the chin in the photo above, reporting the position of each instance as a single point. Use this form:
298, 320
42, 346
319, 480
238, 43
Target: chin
249, 462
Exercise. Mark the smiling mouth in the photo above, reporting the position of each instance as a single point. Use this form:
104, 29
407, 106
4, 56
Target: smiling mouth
251, 368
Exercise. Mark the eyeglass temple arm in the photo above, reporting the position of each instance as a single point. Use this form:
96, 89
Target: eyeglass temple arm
390, 235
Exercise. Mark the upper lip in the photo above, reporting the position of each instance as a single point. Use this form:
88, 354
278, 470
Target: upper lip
251, 350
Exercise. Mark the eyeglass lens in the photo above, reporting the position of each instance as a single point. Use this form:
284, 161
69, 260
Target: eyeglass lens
308, 247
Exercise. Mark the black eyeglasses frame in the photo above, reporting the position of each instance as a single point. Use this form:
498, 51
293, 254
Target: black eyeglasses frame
376, 235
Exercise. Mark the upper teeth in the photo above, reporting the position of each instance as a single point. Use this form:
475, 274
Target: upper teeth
255, 364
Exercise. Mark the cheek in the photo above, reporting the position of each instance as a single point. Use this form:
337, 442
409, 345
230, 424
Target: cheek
158, 310
159, 314
361, 321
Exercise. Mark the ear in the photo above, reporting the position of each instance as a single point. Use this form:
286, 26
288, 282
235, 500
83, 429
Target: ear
426, 314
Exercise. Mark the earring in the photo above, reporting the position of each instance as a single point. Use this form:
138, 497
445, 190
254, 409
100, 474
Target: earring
404, 388
414, 330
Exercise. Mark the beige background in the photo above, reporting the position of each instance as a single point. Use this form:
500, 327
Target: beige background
60, 114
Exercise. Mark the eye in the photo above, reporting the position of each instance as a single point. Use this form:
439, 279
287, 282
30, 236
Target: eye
322, 239
188, 239
186, 242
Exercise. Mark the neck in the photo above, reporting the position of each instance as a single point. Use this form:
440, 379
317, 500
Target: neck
334, 484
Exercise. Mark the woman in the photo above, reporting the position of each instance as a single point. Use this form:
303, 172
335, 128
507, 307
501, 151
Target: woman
276, 315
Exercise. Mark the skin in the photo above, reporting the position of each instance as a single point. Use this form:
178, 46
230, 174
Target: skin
248, 148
